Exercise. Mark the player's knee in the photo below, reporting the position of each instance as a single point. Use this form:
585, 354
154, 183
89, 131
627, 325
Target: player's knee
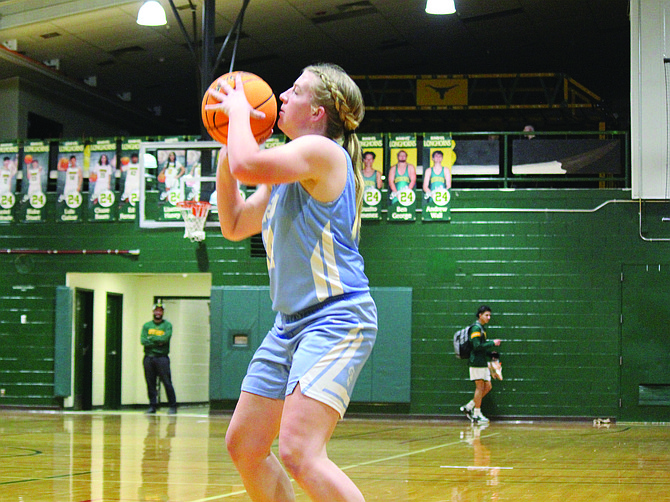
293, 456
237, 446
232, 443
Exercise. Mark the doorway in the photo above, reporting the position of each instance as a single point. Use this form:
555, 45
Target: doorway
113, 351
83, 350
645, 309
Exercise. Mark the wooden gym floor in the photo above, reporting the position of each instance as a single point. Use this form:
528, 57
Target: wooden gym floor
129, 456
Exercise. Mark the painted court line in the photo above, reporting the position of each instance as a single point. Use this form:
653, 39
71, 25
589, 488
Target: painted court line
473, 467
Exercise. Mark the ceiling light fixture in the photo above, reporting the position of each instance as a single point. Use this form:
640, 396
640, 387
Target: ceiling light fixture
151, 14
440, 7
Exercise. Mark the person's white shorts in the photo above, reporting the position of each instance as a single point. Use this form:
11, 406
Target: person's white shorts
480, 374
324, 351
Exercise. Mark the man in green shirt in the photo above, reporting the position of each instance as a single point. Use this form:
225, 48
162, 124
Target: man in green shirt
155, 338
479, 360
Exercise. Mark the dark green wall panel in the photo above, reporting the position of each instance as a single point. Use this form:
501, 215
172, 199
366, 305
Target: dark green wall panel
547, 261
386, 377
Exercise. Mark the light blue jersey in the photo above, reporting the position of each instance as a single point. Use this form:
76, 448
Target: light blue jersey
311, 246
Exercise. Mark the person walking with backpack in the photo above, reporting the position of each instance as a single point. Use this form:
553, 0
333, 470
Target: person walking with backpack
479, 364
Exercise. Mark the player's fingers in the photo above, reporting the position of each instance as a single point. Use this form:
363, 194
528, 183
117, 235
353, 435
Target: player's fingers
238, 81
257, 114
226, 87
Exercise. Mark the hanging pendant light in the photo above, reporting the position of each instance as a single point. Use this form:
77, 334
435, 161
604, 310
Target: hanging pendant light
151, 14
440, 7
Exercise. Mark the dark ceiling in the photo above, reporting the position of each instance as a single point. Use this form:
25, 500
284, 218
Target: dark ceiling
106, 61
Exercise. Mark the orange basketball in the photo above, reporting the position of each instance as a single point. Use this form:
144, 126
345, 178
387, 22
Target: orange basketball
161, 178
93, 177
28, 159
63, 163
125, 161
260, 96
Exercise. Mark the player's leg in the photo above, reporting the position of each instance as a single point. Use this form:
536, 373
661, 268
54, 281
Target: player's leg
249, 438
306, 428
335, 345
482, 388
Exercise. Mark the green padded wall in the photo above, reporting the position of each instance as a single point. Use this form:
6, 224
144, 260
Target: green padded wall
63, 342
242, 312
246, 313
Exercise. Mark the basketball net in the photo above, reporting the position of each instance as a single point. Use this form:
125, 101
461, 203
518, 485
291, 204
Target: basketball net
194, 213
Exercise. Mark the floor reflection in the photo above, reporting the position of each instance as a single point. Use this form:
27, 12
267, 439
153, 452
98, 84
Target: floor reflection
129, 456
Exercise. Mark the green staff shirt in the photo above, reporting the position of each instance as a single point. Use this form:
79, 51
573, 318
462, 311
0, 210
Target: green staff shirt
156, 338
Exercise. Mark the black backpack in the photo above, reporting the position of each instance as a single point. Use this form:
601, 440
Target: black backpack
462, 343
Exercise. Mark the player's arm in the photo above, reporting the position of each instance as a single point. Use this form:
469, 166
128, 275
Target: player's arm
476, 338
411, 170
447, 175
315, 161
379, 180
392, 179
238, 218
426, 180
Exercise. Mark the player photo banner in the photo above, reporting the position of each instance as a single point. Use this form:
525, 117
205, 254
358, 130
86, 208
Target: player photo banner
8, 175
438, 158
130, 179
69, 182
372, 146
402, 177
32, 207
170, 170
102, 195
192, 186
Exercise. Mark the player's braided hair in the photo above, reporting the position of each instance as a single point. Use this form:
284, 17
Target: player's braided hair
343, 102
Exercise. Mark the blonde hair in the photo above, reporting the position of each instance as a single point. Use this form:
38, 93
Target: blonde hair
343, 102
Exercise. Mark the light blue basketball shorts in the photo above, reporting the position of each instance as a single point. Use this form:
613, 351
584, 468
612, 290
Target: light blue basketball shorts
323, 350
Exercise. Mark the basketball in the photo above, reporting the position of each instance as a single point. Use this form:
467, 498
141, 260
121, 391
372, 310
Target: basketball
28, 159
161, 178
125, 161
93, 177
63, 163
260, 96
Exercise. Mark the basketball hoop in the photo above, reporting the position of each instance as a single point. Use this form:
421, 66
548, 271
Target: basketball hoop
194, 213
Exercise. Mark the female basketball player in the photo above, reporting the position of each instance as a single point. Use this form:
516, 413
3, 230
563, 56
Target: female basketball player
307, 205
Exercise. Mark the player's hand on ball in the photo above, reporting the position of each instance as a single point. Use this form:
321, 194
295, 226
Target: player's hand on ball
230, 98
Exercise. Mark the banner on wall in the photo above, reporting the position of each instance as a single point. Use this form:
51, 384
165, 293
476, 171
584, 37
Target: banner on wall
170, 170
102, 181
129, 166
372, 146
439, 157
35, 175
402, 177
192, 186
69, 182
8, 175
